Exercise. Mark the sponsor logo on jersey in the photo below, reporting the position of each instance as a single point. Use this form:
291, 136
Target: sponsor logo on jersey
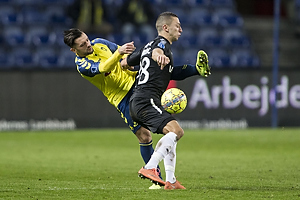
171, 68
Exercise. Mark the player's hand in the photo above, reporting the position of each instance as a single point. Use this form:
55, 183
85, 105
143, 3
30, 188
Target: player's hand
127, 48
202, 64
124, 64
162, 61
159, 57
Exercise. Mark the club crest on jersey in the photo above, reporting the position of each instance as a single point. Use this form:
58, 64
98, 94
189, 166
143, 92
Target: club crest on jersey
103, 48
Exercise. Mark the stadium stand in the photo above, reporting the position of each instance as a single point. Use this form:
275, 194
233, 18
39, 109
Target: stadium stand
222, 3
23, 58
209, 37
40, 36
201, 17
219, 58
6, 60
32, 33
34, 16
235, 37
227, 18
14, 36
47, 58
9, 16
244, 58
64, 58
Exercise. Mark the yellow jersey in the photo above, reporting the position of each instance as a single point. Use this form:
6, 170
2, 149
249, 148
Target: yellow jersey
102, 68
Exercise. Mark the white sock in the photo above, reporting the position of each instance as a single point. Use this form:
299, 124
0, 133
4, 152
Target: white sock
170, 164
164, 147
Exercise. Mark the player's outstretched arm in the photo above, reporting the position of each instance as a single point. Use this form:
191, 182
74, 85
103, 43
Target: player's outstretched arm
112, 61
127, 48
159, 57
202, 64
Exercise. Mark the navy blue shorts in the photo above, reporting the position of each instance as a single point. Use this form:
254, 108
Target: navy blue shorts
123, 109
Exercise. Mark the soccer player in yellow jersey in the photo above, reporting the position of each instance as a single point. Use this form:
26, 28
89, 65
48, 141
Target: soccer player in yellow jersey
98, 61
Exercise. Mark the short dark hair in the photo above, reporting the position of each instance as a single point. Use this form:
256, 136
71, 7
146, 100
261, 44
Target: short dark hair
71, 35
167, 14
165, 17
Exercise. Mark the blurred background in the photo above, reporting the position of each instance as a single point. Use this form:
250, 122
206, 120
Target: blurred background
41, 89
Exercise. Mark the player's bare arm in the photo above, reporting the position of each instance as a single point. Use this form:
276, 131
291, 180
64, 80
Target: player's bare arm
159, 57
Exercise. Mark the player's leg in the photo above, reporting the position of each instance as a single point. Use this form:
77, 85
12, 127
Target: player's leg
173, 127
173, 132
143, 135
145, 140
146, 148
166, 149
170, 159
170, 164
156, 119
163, 148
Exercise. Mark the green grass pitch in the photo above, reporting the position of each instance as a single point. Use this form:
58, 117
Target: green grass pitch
103, 164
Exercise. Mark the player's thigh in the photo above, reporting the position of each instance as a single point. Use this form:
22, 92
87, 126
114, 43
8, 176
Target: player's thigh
173, 126
150, 114
154, 121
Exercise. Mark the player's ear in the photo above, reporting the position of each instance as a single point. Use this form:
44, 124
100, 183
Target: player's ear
72, 49
165, 27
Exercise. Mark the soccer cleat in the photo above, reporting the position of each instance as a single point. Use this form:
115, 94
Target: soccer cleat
202, 64
155, 187
151, 174
173, 186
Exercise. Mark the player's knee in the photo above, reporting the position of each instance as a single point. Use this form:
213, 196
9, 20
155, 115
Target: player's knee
143, 135
179, 132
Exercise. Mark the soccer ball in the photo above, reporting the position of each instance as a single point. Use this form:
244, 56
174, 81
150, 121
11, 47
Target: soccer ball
174, 100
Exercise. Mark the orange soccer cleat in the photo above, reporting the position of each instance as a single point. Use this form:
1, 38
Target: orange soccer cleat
151, 174
173, 186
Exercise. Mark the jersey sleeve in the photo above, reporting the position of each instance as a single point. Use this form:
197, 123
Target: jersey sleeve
87, 67
112, 46
112, 61
134, 58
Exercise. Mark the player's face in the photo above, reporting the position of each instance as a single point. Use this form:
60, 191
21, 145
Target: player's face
175, 29
82, 46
